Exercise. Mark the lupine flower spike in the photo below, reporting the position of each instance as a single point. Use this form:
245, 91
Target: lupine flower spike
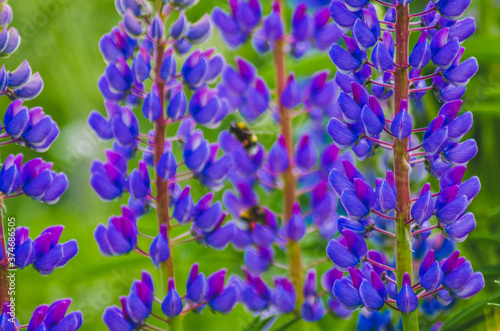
35, 178
387, 211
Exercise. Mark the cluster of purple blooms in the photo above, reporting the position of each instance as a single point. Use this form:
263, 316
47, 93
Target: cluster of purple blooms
200, 292
45, 317
157, 168
35, 178
261, 231
142, 72
362, 125
245, 21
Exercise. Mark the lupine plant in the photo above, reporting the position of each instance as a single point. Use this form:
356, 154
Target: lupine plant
297, 164
142, 55
376, 53
369, 106
33, 129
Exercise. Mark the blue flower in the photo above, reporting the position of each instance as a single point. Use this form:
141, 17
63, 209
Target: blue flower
54, 317
159, 250
49, 253
407, 300
348, 252
219, 297
172, 304
312, 309
119, 236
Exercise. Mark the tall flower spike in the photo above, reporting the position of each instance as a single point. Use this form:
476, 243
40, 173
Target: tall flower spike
393, 209
36, 178
141, 56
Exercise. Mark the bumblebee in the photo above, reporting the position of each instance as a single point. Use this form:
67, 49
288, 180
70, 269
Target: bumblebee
244, 135
253, 216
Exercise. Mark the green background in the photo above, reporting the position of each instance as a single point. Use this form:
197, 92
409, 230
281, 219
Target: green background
59, 39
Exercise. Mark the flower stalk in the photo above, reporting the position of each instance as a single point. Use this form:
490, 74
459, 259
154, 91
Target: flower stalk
404, 261
167, 269
289, 182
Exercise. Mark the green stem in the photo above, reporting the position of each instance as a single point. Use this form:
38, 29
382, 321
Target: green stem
289, 197
401, 163
167, 269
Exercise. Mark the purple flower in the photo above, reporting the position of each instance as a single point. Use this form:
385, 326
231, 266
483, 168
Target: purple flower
342, 15
109, 178
221, 236
421, 54
151, 108
291, 97
385, 194
196, 286
302, 23
236, 26
320, 92
372, 292
325, 32
139, 182
347, 293
177, 106
219, 297
382, 54
347, 252
167, 165
10, 174
31, 126
283, 295
117, 44
347, 61
258, 259
244, 90
41, 183
201, 68
209, 218
199, 31
24, 249
54, 317
139, 303
366, 32
431, 275
407, 300
16, 119
183, 206
196, 151
160, 249
117, 319
207, 109
172, 304
49, 253
402, 125
120, 124
119, 236
273, 25
460, 229
278, 160
312, 309
459, 278
423, 208
215, 171
296, 226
